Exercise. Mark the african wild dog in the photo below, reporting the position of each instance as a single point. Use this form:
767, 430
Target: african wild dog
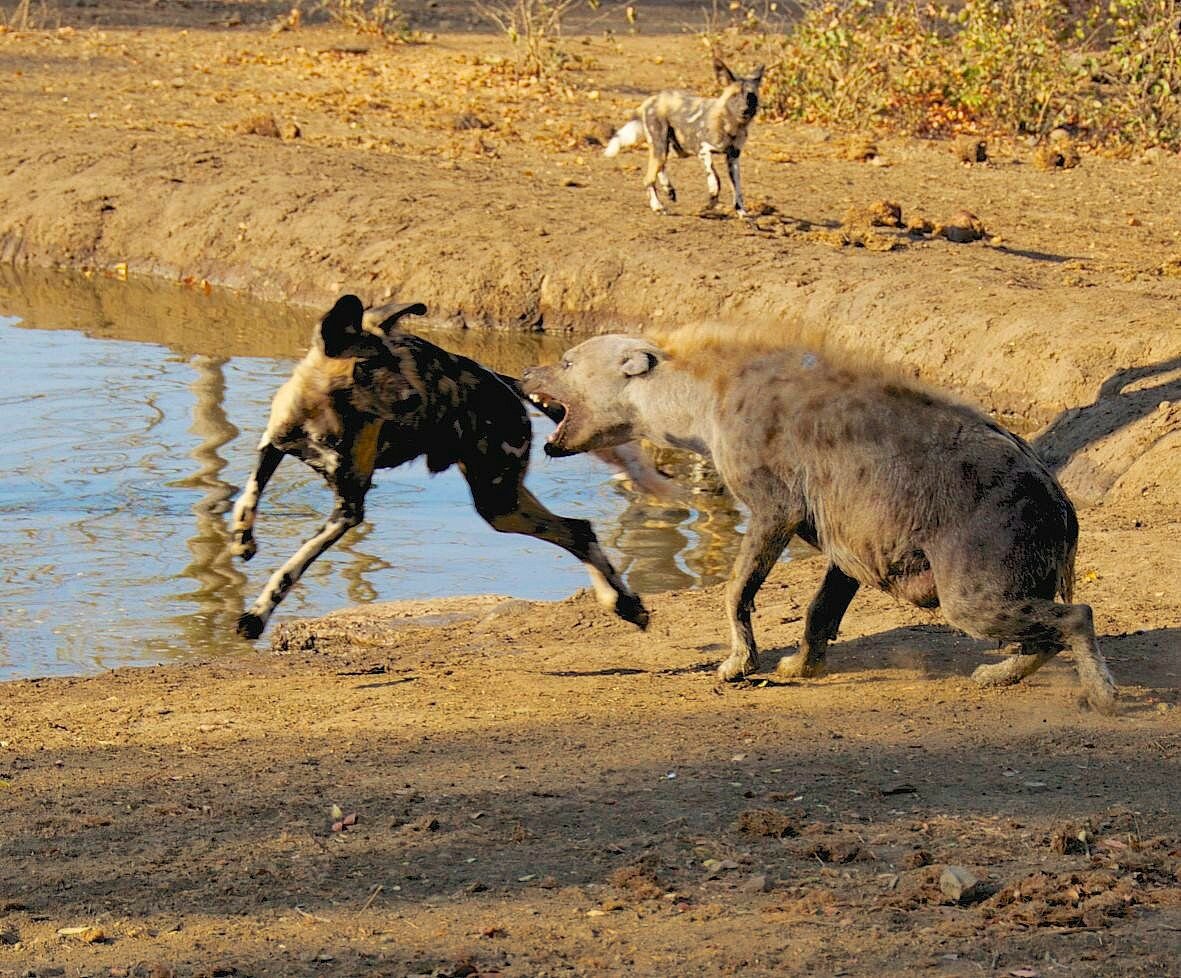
369, 396
901, 488
690, 125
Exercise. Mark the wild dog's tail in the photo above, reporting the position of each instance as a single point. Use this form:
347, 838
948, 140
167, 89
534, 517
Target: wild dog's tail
628, 135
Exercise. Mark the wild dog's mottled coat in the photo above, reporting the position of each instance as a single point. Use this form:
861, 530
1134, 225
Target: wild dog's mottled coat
690, 125
369, 399
902, 489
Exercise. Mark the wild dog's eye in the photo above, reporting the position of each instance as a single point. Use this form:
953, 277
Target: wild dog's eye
564, 363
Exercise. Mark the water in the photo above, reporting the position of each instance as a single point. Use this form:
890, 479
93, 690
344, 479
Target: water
130, 413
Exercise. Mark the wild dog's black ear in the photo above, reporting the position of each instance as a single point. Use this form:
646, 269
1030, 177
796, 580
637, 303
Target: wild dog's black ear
386, 317
725, 75
638, 362
341, 326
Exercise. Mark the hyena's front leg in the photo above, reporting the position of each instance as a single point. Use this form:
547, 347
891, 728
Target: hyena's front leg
732, 155
711, 176
246, 508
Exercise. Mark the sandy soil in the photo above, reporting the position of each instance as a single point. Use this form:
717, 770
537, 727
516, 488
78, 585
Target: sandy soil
538, 789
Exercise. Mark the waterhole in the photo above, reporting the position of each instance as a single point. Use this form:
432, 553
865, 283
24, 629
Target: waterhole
129, 415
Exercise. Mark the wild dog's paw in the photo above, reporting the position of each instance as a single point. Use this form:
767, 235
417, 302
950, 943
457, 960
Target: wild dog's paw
250, 625
738, 666
244, 547
630, 608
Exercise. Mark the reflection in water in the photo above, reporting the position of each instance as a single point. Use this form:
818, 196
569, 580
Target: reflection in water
220, 585
119, 448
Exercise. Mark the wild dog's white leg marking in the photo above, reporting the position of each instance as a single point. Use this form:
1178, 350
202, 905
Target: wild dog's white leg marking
254, 621
246, 508
666, 184
711, 175
654, 200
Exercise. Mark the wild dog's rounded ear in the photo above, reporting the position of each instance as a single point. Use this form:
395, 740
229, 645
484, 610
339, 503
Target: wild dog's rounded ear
725, 75
384, 318
758, 74
340, 326
638, 362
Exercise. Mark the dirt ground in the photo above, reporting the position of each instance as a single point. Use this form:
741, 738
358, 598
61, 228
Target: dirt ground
538, 789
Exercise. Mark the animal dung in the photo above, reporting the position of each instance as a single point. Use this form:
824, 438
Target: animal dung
858, 149
963, 227
1057, 154
879, 214
259, 125
970, 149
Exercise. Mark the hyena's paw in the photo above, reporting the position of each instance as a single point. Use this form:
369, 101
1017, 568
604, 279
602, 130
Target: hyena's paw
798, 667
997, 674
250, 625
738, 666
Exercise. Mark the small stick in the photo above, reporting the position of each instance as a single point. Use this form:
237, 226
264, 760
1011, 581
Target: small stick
372, 896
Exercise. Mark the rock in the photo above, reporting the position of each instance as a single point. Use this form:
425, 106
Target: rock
755, 884
289, 131
959, 885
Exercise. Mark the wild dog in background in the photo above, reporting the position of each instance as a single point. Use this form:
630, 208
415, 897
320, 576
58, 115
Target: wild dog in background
690, 125
369, 396
900, 487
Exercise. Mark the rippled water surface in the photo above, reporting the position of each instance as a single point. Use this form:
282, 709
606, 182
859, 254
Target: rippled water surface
130, 415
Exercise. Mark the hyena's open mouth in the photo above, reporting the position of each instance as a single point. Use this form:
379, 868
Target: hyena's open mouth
559, 413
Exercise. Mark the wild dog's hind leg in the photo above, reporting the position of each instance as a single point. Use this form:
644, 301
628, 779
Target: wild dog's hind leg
511, 508
246, 508
821, 624
765, 539
656, 132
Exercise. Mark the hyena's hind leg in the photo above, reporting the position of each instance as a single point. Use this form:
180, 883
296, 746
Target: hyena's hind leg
246, 508
511, 508
1043, 628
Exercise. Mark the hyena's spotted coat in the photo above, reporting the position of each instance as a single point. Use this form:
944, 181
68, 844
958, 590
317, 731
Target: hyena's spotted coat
690, 125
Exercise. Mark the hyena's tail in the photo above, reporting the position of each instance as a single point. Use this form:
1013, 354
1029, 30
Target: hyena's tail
628, 135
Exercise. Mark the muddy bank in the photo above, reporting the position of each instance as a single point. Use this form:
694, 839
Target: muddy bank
131, 151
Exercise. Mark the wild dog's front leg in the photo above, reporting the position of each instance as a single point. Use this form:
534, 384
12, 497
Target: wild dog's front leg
821, 624
732, 156
765, 539
711, 176
246, 508
348, 513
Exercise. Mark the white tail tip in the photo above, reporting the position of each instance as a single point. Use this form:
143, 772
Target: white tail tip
628, 135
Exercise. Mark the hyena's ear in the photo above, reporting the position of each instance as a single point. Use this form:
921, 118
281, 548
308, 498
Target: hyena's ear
638, 362
725, 75
382, 319
341, 326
